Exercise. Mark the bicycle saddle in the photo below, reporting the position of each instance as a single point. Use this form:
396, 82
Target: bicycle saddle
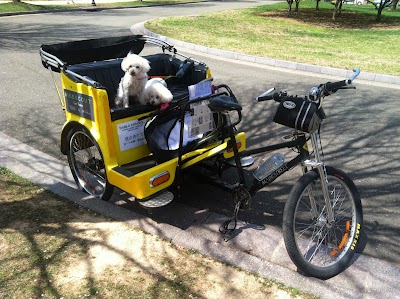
224, 103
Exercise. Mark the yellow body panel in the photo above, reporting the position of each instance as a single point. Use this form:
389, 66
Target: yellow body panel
139, 185
240, 142
99, 121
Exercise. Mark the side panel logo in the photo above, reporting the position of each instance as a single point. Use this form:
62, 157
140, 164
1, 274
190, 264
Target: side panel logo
289, 104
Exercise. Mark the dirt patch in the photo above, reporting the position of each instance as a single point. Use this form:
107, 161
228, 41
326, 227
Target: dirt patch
323, 18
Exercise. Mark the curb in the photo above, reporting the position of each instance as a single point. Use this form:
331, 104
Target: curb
140, 28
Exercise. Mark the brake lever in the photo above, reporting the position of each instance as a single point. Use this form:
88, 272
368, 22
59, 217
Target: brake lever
347, 87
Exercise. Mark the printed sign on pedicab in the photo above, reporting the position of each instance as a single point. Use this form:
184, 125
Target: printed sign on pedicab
202, 120
131, 134
79, 104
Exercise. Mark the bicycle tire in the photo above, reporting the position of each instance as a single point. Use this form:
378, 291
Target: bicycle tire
86, 162
315, 247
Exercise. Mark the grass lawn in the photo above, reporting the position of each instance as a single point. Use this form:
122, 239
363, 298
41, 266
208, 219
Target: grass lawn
52, 248
354, 39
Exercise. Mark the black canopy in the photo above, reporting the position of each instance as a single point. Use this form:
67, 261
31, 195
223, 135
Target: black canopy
90, 50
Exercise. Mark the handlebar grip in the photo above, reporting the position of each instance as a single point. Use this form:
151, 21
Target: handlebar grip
329, 86
275, 96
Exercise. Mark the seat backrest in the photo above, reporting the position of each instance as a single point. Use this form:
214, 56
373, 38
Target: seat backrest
107, 73
162, 65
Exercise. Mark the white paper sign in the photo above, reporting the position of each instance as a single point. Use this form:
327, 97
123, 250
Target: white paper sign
201, 89
131, 134
202, 120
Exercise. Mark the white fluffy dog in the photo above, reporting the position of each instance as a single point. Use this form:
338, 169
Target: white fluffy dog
156, 92
133, 82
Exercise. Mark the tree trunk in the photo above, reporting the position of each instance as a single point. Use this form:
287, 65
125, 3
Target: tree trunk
394, 5
336, 10
340, 8
297, 5
380, 8
379, 15
16, 1
290, 2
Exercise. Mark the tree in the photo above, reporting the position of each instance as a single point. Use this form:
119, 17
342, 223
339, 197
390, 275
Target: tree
290, 2
380, 7
16, 1
393, 6
317, 7
338, 9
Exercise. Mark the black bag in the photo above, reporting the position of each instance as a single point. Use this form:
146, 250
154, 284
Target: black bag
299, 114
162, 133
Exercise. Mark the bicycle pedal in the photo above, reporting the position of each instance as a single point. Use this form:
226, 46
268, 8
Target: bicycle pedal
157, 200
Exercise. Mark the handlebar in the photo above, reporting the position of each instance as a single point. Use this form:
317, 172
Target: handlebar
268, 95
315, 92
277, 96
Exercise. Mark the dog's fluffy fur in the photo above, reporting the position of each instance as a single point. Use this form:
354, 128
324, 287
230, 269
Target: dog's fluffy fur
156, 92
133, 82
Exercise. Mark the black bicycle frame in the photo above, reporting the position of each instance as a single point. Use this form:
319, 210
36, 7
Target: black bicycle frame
299, 142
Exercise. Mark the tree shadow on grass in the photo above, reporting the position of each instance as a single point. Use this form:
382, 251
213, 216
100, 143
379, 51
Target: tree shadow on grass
323, 18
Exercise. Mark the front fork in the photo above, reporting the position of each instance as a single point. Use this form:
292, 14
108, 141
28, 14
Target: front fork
318, 163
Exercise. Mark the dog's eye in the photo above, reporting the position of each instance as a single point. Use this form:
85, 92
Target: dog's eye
137, 66
157, 97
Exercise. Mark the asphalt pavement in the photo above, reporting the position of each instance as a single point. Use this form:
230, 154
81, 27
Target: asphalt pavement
255, 248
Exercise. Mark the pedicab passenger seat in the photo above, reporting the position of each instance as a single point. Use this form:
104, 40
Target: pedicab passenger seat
109, 73
98, 62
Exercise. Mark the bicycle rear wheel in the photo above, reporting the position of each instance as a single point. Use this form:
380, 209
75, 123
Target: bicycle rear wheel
87, 164
316, 247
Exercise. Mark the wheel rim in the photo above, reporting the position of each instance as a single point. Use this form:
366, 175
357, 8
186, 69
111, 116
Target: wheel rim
322, 244
87, 164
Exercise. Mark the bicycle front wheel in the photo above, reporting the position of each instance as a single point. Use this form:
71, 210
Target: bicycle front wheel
316, 247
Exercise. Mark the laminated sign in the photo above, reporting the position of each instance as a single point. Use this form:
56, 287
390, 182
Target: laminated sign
202, 120
131, 134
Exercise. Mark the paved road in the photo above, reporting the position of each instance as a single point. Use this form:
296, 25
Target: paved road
361, 133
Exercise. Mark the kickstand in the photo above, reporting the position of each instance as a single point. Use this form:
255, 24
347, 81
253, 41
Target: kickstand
229, 226
242, 198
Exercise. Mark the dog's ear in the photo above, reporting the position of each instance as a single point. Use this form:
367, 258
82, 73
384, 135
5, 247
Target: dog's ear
146, 65
166, 95
124, 64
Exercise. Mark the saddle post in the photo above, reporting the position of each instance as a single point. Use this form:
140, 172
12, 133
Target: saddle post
232, 144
